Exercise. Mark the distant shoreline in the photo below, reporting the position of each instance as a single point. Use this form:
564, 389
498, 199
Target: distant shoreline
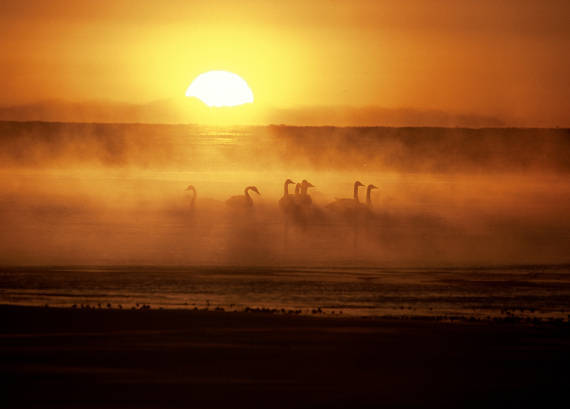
277, 125
278, 314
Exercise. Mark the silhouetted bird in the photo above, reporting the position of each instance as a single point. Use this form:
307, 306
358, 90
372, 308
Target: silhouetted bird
304, 198
368, 199
351, 210
343, 205
243, 201
287, 202
297, 191
303, 210
193, 200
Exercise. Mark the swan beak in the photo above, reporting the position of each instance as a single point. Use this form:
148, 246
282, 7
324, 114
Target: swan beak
309, 184
373, 187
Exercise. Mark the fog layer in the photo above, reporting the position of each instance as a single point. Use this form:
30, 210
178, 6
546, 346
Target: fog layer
116, 194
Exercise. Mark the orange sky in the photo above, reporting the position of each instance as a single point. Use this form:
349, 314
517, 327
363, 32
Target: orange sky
506, 61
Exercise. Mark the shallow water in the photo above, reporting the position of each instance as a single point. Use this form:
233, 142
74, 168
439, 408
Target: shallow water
524, 291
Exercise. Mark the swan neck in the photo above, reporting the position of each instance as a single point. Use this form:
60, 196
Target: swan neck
356, 193
286, 189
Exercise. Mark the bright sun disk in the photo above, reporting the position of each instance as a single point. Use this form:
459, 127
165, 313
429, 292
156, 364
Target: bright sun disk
220, 89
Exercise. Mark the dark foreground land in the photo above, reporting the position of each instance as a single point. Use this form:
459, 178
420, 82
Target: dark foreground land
69, 358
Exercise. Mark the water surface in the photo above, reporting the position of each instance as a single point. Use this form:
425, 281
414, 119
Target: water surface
524, 291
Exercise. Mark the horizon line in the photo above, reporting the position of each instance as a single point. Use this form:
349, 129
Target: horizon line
276, 125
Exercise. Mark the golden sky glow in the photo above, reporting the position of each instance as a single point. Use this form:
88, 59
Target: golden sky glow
506, 60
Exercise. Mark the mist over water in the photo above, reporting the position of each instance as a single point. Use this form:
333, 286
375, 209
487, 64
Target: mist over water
77, 194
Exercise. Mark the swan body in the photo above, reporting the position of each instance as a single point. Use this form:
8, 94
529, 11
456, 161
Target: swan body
347, 204
287, 201
297, 190
302, 211
304, 198
242, 201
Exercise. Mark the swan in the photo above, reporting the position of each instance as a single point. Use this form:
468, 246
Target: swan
346, 204
287, 201
288, 206
297, 191
368, 199
193, 200
304, 198
243, 201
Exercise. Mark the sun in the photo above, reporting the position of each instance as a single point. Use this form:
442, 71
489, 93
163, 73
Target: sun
220, 89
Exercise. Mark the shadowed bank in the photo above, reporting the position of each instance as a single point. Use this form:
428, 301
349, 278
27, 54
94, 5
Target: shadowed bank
75, 358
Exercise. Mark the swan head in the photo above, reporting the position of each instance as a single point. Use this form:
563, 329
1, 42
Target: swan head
254, 189
191, 187
370, 187
288, 182
307, 183
357, 184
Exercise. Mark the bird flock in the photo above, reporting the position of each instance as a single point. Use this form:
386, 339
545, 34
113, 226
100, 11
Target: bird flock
298, 206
